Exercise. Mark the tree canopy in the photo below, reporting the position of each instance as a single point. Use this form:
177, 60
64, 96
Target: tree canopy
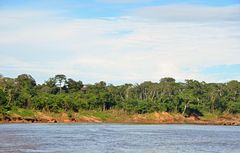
60, 93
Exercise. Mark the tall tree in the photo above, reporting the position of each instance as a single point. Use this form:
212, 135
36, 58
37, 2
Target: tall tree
74, 86
25, 85
60, 81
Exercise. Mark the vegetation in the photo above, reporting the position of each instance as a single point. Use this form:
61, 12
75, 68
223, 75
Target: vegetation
62, 94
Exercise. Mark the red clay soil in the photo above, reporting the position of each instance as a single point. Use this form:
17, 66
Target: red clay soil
153, 118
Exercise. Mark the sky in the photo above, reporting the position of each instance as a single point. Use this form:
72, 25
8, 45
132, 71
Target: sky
121, 41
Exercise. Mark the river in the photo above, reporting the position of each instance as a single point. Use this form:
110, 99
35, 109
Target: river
118, 138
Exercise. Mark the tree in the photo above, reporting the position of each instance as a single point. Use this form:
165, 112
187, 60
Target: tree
25, 80
48, 87
74, 86
25, 90
167, 79
233, 96
9, 87
191, 97
3, 100
60, 81
3, 105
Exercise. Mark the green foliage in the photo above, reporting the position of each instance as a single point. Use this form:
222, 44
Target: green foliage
167, 79
234, 106
26, 113
4, 108
64, 94
102, 115
74, 86
3, 100
70, 114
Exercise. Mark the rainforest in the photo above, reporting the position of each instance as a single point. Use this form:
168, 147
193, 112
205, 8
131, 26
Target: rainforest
62, 99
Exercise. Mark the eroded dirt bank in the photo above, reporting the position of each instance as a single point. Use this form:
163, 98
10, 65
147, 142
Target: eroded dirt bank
151, 118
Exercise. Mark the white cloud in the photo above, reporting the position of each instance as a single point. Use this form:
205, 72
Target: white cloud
190, 13
88, 49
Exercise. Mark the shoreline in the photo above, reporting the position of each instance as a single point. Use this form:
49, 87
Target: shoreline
142, 123
121, 118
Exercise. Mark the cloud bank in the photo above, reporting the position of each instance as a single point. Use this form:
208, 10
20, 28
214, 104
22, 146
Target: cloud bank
144, 44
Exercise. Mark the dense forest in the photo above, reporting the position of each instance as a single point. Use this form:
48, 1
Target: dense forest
65, 94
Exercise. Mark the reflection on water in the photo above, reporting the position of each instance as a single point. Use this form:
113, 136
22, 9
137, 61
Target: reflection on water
119, 138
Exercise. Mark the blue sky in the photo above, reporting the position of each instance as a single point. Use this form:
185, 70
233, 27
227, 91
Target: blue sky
121, 40
103, 8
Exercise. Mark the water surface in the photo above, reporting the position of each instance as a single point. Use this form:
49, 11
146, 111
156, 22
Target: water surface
119, 138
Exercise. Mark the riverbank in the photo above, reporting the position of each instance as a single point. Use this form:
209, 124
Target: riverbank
116, 116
